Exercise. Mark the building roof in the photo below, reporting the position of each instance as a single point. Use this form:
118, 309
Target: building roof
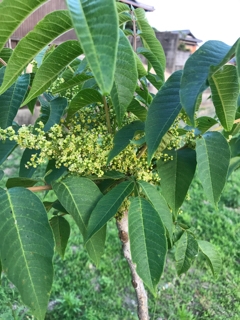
186, 35
137, 4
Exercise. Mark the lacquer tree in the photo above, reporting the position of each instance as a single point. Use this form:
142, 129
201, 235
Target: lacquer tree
110, 148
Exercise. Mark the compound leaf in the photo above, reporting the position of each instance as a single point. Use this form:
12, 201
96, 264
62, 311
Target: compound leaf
148, 241
186, 252
61, 232
125, 78
96, 26
162, 112
108, 206
176, 176
211, 171
26, 247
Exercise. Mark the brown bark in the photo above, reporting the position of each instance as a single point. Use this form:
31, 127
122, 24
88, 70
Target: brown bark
137, 282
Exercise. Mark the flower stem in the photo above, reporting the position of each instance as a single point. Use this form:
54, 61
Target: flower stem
107, 115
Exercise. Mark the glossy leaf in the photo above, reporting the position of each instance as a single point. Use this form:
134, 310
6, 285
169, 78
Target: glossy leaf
82, 99
20, 182
53, 173
138, 110
212, 256
233, 165
125, 78
176, 176
108, 206
153, 60
140, 67
186, 252
162, 112
11, 100
122, 7
49, 28
24, 170
196, 72
5, 54
98, 37
72, 82
49, 70
204, 123
123, 137
12, 18
211, 171
225, 90
159, 205
149, 38
147, 242
26, 247
61, 232
53, 112
79, 196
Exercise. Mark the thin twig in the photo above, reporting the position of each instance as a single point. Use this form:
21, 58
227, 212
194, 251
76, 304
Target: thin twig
3, 62
134, 32
40, 188
142, 151
107, 115
137, 282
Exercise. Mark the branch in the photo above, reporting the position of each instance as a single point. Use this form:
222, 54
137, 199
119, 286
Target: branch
137, 282
40, 188
134, 32
142, 151
3, 62
107, 115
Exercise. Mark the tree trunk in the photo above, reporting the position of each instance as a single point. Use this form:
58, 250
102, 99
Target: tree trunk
137, 282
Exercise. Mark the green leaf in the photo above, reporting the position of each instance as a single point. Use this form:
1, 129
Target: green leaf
148, 242
108, 206
26, 156
149, 38
83, 99
212, 256
196, 72
159, 205
11, 100
74, 81
124, 17
154, 62
53, 173
6, 148
125, 78
5, 54
1, 174
61, 232
20, 182
211, 171
233, 165
53, 112
186, 252
45, 31
26, 247
138, 110
96, 26
162, 112
155, 80
176, 176
49, 70
122, 7
225, 89
140, 67
13, 12
204, 123
79, 196
123, 137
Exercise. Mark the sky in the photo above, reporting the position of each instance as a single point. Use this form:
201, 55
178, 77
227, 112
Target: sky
206, 19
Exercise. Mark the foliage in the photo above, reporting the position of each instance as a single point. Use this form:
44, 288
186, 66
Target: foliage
106, 141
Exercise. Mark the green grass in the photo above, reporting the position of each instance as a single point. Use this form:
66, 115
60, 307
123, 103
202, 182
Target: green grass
80, 291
